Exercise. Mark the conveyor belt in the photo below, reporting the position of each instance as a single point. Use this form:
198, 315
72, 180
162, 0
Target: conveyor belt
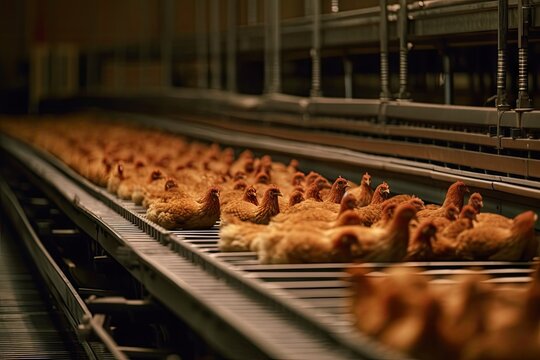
29, 325
302, 306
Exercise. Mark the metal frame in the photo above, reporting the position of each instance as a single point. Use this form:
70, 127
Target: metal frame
239, 316
76, 311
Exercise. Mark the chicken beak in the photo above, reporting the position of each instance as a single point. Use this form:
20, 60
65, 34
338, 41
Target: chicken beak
368, 182
279, 194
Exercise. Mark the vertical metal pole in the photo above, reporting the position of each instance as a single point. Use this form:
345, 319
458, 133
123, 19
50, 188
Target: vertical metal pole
167, 42
215, 42
276, 37
316, 49
252, 12
448, 79
231, 45
334, 7
524, 102
267, 45
502, 100
347, 69
202, 44
273, 47
383, 35
403, 51
308, 7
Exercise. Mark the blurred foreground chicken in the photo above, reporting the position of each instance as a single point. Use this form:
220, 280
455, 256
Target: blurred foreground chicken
424, 320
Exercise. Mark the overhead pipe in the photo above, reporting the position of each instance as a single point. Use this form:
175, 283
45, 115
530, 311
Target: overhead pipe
383, 37
316, 50
231, 45
403, 51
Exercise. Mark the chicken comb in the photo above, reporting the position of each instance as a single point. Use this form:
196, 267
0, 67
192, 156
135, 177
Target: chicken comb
294, 163
170, 184
296, 197
156, 174
240, 185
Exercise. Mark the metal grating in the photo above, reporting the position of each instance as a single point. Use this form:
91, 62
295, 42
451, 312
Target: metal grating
27, 322
317, 294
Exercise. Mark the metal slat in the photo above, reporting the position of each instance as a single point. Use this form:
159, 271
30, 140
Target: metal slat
319, 289
139, 261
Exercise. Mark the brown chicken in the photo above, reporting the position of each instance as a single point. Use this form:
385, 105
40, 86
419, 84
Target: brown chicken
492, 219
171, 192
310, 210
420, 248
476, 201
116, 177
497, 243
305, 244
339, 187
464, 222
386, 244
229, 194
154, 183
386, 215
451, 214
296, 197
244, 164
363, 192
238, 235
372, 213
246, 211
454, 196
187, 213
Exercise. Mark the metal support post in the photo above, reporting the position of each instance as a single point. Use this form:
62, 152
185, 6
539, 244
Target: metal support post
202, 44
252, 12
448, 79
316, 50
273, 47
215, 46
524, 102
403, 51
167, 42
502, 100
231, 45
383, 35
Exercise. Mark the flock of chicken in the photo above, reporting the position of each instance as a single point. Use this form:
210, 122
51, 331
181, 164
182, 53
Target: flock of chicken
466, 317
284, 215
